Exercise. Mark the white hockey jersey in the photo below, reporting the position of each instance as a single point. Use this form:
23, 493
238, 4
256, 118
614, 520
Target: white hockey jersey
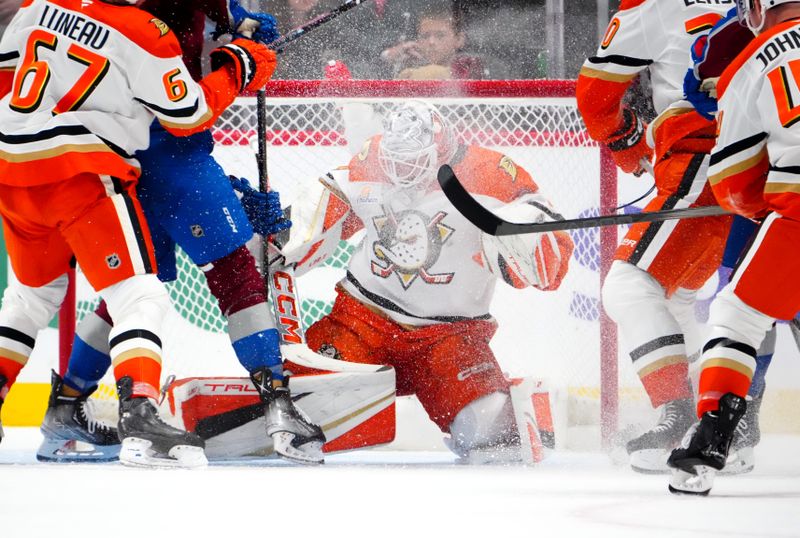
755, 166
89, 78
420, 260
655, 35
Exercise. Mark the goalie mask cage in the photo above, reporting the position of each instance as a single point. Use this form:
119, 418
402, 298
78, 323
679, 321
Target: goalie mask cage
562, 337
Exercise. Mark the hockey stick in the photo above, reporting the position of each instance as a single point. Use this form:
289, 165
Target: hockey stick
300, 31
281, 283
491, 224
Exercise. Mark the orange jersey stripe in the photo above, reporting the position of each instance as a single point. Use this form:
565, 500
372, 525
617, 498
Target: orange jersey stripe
65, 162
702, 23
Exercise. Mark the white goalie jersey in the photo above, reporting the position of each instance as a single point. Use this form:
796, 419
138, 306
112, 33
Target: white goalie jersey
421, 262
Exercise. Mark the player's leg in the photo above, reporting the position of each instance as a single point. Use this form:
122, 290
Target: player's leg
70, 421
461, 386
205, 218
655, 262
741, 315
111, 242
40, 258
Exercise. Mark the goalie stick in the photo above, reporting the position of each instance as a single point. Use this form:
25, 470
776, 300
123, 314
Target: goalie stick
489, 223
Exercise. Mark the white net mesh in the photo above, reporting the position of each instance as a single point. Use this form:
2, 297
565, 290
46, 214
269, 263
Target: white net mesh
553, 335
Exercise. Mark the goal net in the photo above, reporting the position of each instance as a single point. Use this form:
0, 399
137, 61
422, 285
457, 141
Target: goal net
561, 337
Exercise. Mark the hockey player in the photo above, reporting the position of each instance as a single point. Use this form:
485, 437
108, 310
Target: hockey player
754, 173
82, 81
212, 229
651, 287
711, 54
418, 287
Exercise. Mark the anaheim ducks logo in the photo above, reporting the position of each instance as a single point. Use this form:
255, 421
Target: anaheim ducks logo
161, 25
410, 244
509, 166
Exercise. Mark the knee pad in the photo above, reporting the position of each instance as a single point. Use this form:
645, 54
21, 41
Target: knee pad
483, 423
732, 318
29, 309
138, 302
627, 290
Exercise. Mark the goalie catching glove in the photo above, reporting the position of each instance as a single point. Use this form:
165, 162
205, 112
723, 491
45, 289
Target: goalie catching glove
252, 62
539, 260
263, 209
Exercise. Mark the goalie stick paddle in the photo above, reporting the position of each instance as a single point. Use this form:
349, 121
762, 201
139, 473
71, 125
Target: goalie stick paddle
491, 224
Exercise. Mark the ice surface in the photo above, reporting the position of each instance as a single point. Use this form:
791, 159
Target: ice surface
386, 494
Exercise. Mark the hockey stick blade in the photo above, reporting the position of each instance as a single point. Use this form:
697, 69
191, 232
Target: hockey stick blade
491, 224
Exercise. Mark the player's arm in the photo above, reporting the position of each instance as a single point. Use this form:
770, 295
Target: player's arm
232, 18
316, 237
606, 76
183, 106
739, 161
711, 54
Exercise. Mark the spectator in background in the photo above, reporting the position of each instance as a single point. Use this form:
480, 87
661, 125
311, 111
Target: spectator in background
436, 53
356, 38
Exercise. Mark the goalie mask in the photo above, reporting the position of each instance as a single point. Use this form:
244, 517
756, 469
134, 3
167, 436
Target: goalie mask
746, 8
416, 140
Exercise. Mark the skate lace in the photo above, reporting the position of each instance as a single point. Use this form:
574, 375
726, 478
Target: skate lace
88, 413
669, 420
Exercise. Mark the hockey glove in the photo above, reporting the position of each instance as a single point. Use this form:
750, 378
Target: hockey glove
539, 260
253, 63
263, 209
629, 145
261, 27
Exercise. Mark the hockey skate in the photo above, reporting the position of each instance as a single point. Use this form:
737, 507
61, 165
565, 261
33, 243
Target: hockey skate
293, 436
704, 449
648, 452
149, 442
747, 435
71, 430
3, 382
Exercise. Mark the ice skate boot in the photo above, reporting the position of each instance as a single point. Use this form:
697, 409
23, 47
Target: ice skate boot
149, 442
72, 431
293, 436
648, 452
3, 391
742, 457
704, 448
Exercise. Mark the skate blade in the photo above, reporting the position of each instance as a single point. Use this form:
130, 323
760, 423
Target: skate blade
650, 461
137, 452
698, 483
73, 451
309, 453
740, 462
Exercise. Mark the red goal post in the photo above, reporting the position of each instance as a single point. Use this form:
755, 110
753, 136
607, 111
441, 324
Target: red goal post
314, 126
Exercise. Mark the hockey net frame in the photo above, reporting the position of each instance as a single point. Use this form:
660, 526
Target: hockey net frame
229, 133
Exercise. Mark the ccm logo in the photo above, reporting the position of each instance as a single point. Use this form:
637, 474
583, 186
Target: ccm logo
286, 304
477, 369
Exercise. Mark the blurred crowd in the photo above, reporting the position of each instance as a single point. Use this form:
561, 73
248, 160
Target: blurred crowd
426, 39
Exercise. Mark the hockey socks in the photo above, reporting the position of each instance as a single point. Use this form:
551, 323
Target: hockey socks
728, 366
239, 289
90, 358
15, 348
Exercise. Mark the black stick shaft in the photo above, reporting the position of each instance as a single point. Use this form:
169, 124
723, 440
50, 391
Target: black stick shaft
491, 224
300, 31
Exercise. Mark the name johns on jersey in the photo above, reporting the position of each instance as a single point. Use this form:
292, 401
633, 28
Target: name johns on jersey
74, 26
789, 40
